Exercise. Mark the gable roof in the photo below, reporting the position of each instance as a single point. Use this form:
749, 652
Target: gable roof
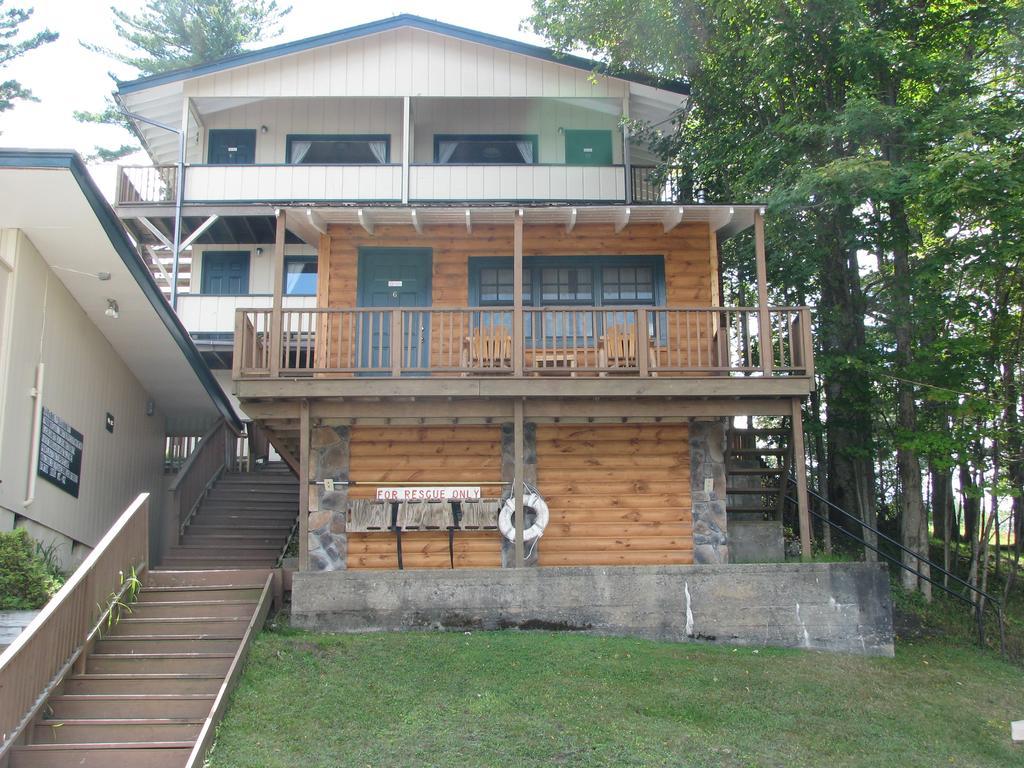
84, 231
398, 22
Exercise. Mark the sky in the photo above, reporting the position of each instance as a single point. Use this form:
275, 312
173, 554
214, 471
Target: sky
67, 77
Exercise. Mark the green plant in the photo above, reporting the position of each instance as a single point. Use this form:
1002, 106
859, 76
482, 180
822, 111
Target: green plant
26, 582
120, 601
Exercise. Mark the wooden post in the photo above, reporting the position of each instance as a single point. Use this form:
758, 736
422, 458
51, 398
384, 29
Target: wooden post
800, 470
276, 331
406, 146
627, 164
643, 344
397, 342
304, 486
518, 342
517, 482
764, 327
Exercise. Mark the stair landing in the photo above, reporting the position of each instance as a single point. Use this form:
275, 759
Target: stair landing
152, 688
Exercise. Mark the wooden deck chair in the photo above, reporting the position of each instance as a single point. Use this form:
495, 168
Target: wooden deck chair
487, 348
618, 349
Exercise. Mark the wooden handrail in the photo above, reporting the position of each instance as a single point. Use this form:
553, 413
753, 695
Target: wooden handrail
32, 667
197, 475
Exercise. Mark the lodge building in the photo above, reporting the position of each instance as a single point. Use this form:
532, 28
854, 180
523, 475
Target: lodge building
423, 256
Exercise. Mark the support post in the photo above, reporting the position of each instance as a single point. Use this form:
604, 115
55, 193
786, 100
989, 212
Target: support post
518, 343
800, 470
764, 327
179, 199
276, 331
406, 146
627, 163
304, 485
397, 341
517, 482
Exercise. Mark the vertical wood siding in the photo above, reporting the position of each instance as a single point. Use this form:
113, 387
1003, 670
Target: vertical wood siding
405, 62
618, 495
447, 454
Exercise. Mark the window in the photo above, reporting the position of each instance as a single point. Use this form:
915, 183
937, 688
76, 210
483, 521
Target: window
504, 149
316, 149
300, 276
590, 280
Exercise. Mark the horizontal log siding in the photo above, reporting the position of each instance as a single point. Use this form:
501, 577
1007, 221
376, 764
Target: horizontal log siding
618, 495
428, 454
689, 280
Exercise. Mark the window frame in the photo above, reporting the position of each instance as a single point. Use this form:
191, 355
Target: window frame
293, 137
299, 259
533, 138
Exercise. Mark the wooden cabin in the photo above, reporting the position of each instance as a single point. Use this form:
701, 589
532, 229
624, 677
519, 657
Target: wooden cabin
428, 257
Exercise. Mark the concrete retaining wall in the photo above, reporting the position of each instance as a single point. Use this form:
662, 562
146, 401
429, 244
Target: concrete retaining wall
822, 606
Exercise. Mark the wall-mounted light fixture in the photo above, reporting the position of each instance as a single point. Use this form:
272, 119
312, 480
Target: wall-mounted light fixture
259, 251
113, 311
264, 129
150, 407
101, 276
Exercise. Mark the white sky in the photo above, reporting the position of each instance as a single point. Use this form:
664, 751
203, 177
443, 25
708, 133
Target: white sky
65, 76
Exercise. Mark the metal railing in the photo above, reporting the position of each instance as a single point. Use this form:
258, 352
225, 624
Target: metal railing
638, 341
659, 184
146, 184
40, 657
976, 597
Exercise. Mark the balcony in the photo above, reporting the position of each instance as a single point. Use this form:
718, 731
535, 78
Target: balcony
549, 351
211, 314
155, 186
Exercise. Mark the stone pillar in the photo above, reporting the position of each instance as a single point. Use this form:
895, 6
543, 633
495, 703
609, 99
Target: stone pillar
328, 460
707, 494
508, 549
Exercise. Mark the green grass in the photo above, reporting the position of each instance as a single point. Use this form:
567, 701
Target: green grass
551, 699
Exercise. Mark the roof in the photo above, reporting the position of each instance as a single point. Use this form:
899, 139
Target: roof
398, 22
65, 215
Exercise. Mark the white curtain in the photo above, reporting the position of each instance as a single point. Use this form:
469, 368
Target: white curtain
445, 150
526, 150
299, 150
380, 150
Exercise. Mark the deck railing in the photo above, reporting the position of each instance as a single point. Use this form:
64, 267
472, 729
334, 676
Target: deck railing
146, 184
567, 341
215, 453
48, 648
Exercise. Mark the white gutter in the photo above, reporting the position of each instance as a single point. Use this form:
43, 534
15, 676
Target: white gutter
36, 393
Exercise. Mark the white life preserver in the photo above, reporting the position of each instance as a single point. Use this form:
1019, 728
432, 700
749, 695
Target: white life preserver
531, 500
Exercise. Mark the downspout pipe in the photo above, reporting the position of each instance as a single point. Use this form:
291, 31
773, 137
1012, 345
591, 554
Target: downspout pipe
36, 393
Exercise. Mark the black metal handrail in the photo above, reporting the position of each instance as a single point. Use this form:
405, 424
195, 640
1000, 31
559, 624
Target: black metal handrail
978, 603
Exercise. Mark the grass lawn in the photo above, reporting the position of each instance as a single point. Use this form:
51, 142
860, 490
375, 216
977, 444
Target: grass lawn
553, 699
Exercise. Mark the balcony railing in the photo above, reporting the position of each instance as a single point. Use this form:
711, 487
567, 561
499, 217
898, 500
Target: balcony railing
555, 341
156, 185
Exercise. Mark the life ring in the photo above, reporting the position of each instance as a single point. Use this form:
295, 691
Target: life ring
531, 500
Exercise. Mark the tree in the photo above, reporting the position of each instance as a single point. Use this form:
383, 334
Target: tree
10, 49
173, 34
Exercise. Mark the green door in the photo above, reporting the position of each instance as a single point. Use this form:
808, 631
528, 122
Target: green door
395, 277
588, 147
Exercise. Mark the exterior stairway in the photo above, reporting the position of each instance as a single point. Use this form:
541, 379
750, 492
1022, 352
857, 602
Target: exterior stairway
756, 472
147, 688
245, 521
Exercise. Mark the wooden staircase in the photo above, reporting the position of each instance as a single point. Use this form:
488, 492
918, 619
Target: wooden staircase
149, 692
757, 467
244, 521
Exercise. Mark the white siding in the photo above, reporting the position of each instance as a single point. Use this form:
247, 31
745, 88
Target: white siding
516, 182
216, 314
84, 380
254, 183
405, 62
261, 268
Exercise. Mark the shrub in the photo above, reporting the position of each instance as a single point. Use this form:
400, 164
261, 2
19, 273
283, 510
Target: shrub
25, 581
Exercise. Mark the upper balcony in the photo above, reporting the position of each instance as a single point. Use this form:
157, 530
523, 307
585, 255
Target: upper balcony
411, 151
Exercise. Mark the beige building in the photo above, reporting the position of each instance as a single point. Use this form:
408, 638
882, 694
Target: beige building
95, 370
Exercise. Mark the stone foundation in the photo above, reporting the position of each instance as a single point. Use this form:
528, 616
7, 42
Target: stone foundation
819, 606
707, 495
328, 460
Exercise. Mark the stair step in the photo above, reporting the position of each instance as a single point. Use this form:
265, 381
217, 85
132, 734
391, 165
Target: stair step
226, 577
238, 539
230, 626
185, 609
235, 523
184, 594
152, 663
776, 431
203, 565
225, 555
116, 730
78, 706
122, 644
151, 755
758, 451
142, 683
765, 491
751, 471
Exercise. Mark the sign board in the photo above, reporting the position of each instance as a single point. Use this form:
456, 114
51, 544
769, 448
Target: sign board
60, 453
428, 493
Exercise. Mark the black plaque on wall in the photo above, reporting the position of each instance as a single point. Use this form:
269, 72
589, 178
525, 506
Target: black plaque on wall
60, 453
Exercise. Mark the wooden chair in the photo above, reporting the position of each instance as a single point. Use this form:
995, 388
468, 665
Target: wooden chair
487, 348
618, 349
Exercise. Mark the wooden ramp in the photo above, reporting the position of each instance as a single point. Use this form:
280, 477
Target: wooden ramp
152, 689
